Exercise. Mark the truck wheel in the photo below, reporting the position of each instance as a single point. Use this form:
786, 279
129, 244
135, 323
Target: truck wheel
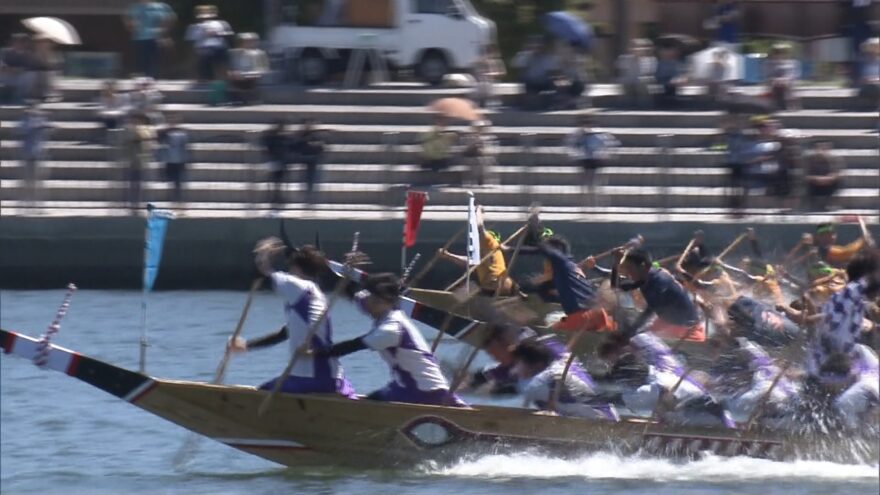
433, 67
312, 67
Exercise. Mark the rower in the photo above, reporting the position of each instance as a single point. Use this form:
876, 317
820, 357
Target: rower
849, 384
575, 294
541, 370
416, 377
829, 252
492, 273
304, 303
669, 311
682, 398
498, 379
755, 320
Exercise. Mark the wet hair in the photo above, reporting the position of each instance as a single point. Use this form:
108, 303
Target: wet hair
640, 258
865, 262
385, 286
502, 333
532, 352
559, 243
612, 345
309, 260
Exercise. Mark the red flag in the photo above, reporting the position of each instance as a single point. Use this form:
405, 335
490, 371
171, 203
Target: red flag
415, 202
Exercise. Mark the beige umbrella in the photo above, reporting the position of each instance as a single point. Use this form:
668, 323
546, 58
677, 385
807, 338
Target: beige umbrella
456, 108
53, 28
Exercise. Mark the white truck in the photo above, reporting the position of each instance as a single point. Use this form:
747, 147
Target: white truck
431, 37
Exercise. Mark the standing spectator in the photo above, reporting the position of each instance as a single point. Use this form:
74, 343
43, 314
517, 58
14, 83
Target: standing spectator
149, 23
718, 84
208, 36
34, 130
44, 64
308, 146
789, 160
573, 71
248, 65
738, 141
480, 148
783, 71
174, 152
669, 75
137, 150
636, 70
591, 149
112, 106
276, 142
869, 82
437, 146
859, 17
822, 175
145, 99
14, 65
488, 70
725, 22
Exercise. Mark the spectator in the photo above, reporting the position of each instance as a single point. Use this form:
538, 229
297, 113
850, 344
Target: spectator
738, 141
137, 150
859, 19
764, 163
591, 149
669, 75
44, 65
174, 152
540, 68
869, 82
488, 70
718, 84
149, 23
789, 159
480, 148
112, 106
34, 130
145, 99
308, 146
636, 70
783, 72
14, 66
276, 142
437, 146
208, 36
573, 81
822, 175
248, 65
725, 22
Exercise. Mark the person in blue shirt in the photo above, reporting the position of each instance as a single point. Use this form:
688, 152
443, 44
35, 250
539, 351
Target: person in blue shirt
726, 21
149, 23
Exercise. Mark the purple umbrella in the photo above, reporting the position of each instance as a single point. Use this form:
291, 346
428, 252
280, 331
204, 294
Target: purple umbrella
569, 28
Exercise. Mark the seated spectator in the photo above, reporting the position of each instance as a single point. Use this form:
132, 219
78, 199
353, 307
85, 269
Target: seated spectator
636, 72
573, 76
540, 70
208, 36
437, 146
488, 70
591, 149
308, 147
44, 64
718, 84
145, 99
822, 175
669, 75
14, 66
783, 71
174, 153
869, 82
112, 106
248, 65
480, 148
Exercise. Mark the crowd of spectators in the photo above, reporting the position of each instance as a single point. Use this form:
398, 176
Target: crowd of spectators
28, 66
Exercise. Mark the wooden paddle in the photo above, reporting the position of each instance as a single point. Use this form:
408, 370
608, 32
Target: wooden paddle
485, 258
866, 234
572, 342
313, 329
759, 408
724, 253
188, 449
427, 268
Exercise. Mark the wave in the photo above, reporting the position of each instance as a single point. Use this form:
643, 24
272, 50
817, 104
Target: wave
612, 466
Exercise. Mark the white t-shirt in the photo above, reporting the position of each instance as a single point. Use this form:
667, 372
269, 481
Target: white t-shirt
303, 305
402, 346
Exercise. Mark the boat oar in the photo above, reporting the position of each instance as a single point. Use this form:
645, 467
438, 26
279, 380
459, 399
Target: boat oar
759, 407
188, 449
427, 268
866, 234
724, 253
471, 268
572, 342
310, 333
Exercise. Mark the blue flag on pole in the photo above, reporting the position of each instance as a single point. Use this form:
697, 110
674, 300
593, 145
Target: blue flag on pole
157, 223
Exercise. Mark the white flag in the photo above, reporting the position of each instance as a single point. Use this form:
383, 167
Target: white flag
473, 239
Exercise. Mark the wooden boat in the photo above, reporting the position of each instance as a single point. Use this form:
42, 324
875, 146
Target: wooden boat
323, 430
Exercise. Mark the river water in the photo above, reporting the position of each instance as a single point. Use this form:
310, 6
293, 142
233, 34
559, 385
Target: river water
61, 436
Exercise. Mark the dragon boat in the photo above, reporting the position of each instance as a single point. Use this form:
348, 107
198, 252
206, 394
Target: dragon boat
329, 430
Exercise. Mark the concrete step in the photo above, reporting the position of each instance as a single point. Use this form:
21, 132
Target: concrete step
385, 115
346, 193
399, 134
412, 174
377, 154
602, 95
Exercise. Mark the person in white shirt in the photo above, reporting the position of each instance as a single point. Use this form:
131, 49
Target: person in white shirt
415, 375
248, 64
208, 36
304, 303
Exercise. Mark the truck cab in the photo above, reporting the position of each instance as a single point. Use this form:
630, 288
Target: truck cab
430, 37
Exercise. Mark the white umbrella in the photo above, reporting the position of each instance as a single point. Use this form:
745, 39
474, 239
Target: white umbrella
53, 28
701, 61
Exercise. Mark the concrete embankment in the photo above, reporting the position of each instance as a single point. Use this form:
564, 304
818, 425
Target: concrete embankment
215, 253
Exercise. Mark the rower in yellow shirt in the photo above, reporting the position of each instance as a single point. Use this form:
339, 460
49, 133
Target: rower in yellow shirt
491, 274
